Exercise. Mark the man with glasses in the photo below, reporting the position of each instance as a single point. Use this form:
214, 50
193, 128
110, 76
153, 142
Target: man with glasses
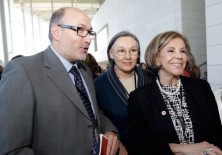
42, 110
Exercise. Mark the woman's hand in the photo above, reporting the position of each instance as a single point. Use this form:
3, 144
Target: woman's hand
203, 148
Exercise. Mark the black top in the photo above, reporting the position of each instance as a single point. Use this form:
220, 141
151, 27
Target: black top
151, 128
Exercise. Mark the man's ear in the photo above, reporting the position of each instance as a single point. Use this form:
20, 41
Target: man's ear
55, 32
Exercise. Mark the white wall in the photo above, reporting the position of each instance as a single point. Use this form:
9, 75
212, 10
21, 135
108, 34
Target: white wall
214, 42
194, 28
142, 17
147, 18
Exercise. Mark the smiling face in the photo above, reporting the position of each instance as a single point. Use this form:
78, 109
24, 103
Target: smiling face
124, 63
172, 58
66, 42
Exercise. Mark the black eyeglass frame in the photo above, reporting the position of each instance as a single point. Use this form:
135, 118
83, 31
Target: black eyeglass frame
78, 29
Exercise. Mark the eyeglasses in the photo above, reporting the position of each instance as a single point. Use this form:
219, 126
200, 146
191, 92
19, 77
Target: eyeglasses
81, 31
122, 52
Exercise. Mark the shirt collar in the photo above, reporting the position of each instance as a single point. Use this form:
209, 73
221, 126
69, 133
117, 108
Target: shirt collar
66, 63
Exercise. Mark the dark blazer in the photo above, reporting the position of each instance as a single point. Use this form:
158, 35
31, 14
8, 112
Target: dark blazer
150, 131
112, 98
41, 112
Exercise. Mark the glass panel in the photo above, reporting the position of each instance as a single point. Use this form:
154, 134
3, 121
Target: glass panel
2, 59
102, 39
27, 23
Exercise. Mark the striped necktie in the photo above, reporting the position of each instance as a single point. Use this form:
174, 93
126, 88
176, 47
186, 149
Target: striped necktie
84, 96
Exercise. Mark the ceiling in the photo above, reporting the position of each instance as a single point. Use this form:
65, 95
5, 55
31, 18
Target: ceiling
43, 8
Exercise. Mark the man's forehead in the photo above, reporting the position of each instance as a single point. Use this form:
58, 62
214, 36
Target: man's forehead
78, 18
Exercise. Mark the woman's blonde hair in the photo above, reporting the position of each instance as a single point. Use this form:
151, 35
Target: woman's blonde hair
158, 43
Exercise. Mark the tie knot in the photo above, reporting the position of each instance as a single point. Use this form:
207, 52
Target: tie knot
74, 71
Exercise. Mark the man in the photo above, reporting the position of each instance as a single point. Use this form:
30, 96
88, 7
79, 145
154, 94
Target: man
41, 111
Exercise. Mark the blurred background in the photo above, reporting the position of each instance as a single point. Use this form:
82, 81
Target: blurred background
24, 27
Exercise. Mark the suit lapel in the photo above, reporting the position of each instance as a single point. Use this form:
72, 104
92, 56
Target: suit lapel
58, 74
91, 89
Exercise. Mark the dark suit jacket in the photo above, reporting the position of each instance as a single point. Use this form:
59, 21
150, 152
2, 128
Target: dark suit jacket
150, 131
41, 112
